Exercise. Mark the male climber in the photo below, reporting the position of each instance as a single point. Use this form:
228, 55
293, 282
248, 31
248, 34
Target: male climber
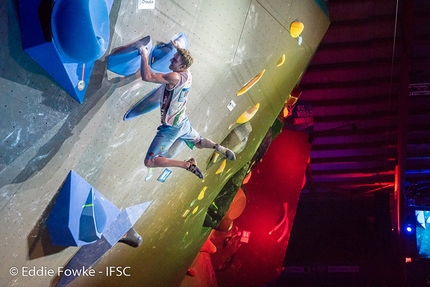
175, 128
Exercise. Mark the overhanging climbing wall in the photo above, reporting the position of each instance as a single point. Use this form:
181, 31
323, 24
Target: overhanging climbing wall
46, 133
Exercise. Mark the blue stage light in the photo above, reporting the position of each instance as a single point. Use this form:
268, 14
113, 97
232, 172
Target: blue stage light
409, 229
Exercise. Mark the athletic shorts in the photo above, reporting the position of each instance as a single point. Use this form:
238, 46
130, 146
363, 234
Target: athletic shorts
169, 140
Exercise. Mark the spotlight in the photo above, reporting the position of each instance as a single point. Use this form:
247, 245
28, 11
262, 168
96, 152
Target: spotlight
409, 229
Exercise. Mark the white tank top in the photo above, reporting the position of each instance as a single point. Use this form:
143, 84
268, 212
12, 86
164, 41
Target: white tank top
172, 103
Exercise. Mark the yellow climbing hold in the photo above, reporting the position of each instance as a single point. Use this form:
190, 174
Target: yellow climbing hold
221, 167
214, 156
286, 112
185, 213
296, 28
246, 116
281, 61
195, 210
251, 83
202, 193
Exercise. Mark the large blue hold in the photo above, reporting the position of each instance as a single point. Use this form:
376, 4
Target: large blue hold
68, 41
126, 61
160, 57
80, 213
80, 29
91, 253
148, 103
93, 218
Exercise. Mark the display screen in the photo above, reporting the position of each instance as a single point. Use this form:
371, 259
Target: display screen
423, 232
